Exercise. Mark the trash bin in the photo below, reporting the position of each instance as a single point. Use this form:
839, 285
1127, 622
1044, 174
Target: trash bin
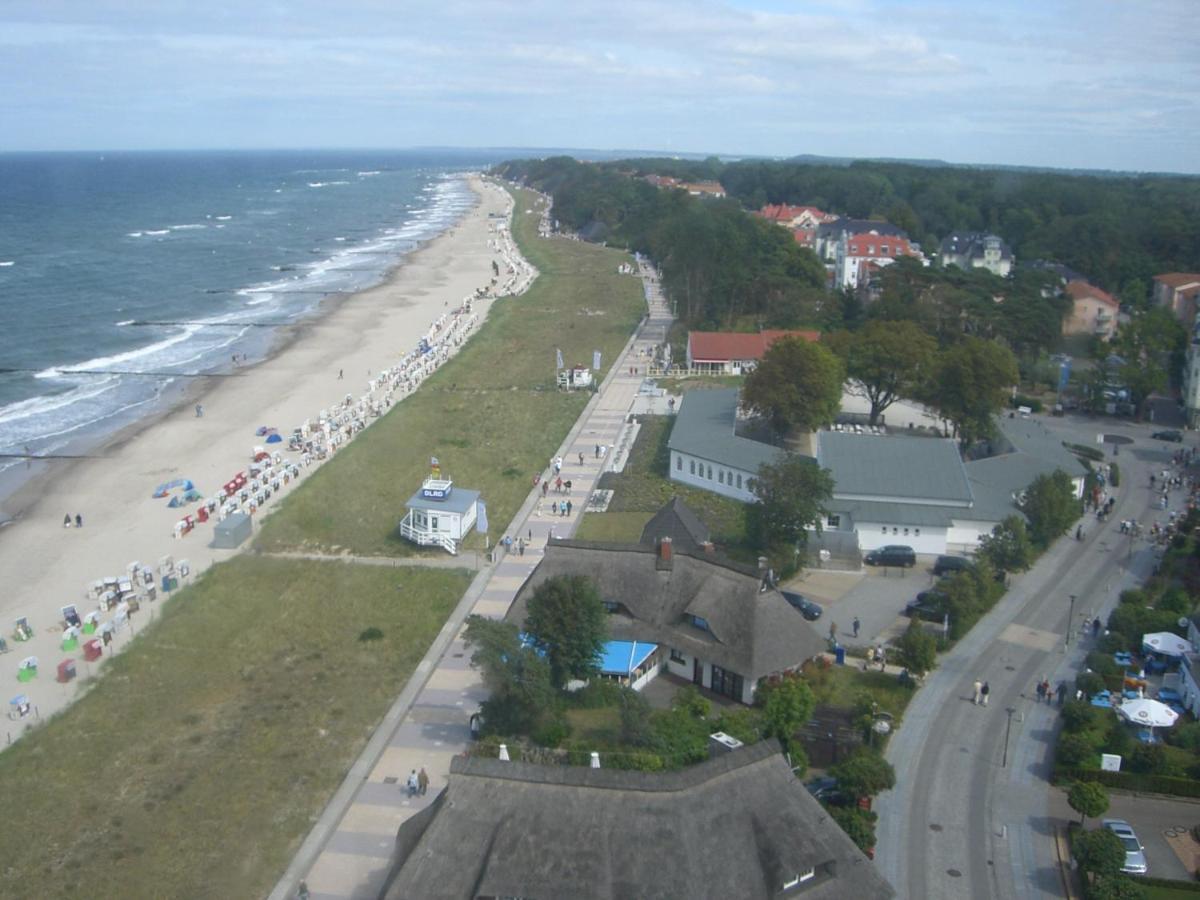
839, 655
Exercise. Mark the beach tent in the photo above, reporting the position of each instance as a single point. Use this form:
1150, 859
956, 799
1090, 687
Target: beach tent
1167, 643
189, 496
264, 429
274, 438
166, 487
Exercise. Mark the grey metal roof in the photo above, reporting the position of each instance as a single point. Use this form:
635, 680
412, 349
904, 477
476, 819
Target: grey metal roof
970, 245
921, 515
737, 825
1026, 449
750, 633
894, 468
459, 501
704, 428
1031, 437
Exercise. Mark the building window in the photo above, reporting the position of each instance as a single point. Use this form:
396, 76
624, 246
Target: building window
721, 475
906, 532
895, 530
917, 532
833, 521
699, 622
739, 481
692, 466
677, 657
710, 473
679, 464
611, 605
728, 684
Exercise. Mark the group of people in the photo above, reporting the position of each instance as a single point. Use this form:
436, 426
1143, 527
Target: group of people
983, 691
1046, 694
418, 783
67, 520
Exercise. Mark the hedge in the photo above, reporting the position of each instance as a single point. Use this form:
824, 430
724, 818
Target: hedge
1187, 887
1092, 453
1131, 781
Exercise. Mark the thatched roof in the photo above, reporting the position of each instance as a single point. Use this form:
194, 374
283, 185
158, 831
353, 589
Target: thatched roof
739, 825
752, 632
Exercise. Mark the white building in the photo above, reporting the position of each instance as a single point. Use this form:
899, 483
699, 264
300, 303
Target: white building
439, 514
973, 250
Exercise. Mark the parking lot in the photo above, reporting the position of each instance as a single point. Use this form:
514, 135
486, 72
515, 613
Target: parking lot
877, 596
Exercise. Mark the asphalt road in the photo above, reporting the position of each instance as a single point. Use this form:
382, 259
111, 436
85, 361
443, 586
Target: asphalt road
971, 816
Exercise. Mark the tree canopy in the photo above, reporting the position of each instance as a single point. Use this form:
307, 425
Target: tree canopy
1099, 852
1051, 507
792, 494
1008, 548
796, 384
787, 703
864, 774
1088, 799
516, 676
885, 361
970, 385
567, 622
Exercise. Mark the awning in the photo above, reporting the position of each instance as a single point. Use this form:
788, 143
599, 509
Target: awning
624, 657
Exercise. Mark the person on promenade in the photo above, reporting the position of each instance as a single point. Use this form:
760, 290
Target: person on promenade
558, 483
856, 626
581, 459
1062, 693
413, 784
977, 688
545, 488
985, 692
537, 510
554, 507
199, 411
833, 632
569, 507
423, 782
1041, 691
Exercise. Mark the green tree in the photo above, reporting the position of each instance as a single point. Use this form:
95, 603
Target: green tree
859, 825
1088, 799
568, 622
1008, 548
792, 494
786, 703
1051, 507
885, 361
970, 385
797, 384
918, 649
1075, 750
1150, 346
1099, 852
1115, 887
864, 774
517, 678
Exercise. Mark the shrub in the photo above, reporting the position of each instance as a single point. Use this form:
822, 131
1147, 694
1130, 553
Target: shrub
859, 824
1088, 799
552, 732
1098, 852
692, 702
1103, 663
1075, 750
370, 634
1090, 683
1077, 716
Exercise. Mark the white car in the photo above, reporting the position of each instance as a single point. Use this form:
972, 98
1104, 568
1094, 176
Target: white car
1135, 853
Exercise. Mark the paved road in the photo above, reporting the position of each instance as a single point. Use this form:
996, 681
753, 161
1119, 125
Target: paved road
348, 852
965, 820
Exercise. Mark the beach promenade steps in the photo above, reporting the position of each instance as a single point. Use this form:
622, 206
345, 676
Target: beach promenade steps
349, 852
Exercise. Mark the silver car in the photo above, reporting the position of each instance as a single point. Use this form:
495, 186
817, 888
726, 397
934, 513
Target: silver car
1135, 855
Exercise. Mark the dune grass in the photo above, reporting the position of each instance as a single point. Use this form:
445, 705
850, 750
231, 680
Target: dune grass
198, 762
492, 415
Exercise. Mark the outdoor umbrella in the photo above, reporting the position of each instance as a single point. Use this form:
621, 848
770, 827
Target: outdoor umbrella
1148, 713
1166, 642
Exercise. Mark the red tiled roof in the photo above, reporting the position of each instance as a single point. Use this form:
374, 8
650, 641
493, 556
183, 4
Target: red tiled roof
1178, 279
861, 244
722, 346
1081, 290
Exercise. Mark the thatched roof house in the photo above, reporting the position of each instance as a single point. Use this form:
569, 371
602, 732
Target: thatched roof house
739, 825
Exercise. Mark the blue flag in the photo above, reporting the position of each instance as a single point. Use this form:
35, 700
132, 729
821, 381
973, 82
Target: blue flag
481, 522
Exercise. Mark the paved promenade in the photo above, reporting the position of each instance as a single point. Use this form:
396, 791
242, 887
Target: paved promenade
348, 852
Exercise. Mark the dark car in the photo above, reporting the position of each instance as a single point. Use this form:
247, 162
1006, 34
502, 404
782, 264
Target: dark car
1173, 436
808, 609
826, 790
892, 555
950, 565
928, 605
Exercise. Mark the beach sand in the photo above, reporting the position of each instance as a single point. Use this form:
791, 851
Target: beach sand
48, 566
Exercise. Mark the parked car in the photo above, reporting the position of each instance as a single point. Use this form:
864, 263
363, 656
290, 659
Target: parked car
1135, 853
826, 790
928, 605
808, 609
950, 565
1171, 435
892, 555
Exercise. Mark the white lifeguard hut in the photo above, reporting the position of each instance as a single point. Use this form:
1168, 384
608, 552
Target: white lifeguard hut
439, 514
576, 378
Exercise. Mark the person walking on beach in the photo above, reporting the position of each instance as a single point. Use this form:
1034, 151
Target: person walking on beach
423, 782
985, 692
199, 411
67, 521
78, 520
977, 691
341, 374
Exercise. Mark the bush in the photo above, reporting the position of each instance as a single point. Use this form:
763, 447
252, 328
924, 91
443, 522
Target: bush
1075, 750
1098, 852
859, 825
1090, 683
1130, 781
597, 694
1103, 663
1077, 716
552, 732
1115, 887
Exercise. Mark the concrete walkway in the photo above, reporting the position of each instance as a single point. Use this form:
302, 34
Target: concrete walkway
348, 852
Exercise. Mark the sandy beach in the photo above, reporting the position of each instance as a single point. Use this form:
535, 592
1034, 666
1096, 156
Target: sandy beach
49, 566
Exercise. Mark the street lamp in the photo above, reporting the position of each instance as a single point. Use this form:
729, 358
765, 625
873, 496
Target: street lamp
1007, 731
1070, 620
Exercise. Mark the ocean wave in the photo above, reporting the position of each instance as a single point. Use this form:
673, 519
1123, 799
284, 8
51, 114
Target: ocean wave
134, 234
321, 184
100, 363
47, 404
126, 322
224, 218
8, 262
161, 231
189, 227
365, 174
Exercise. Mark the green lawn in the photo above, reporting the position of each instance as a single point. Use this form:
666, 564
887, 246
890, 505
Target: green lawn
601, 726
644, 487
840, 685
197, 763
1165, 893
615, 527
491, 415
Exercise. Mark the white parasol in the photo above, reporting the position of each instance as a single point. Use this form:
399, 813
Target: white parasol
1148, 713
1167, 642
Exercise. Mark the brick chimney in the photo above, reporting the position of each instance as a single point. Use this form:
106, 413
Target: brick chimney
709, 548
664, 550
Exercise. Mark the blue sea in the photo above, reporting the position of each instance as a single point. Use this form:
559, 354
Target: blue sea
123, 274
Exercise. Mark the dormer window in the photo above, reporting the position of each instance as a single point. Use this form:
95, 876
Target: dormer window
699, 622
800, 879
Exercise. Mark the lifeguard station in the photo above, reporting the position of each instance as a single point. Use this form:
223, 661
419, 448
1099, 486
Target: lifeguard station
439, 514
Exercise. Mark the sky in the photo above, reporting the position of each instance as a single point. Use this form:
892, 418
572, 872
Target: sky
1111, 84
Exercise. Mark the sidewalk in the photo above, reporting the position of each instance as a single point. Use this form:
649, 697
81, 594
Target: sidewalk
349, 850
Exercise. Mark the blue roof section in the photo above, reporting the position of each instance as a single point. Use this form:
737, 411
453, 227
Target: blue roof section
459, 501
623, 657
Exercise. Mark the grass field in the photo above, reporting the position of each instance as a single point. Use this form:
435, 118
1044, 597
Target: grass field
491, 415
197, 763
644, 487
